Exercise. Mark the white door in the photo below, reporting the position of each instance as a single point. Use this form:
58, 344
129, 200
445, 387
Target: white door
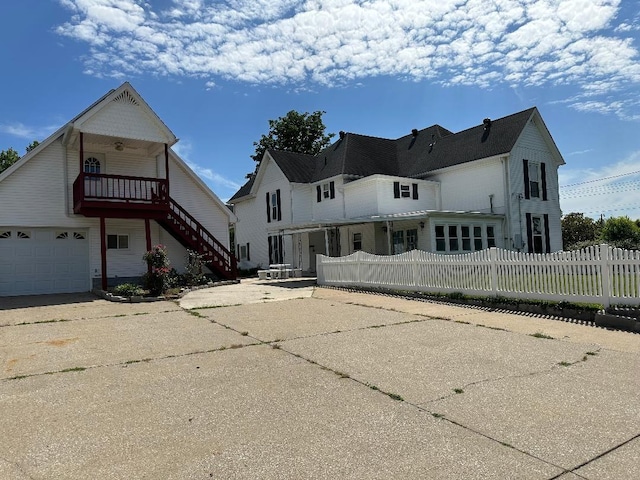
43, 260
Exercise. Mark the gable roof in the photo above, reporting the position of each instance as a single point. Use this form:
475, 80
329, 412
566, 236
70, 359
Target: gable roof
414, 155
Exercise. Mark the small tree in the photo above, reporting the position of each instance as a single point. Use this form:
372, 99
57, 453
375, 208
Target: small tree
7, 158
156, 280
295, 132
194, 274
577, 230
10, 156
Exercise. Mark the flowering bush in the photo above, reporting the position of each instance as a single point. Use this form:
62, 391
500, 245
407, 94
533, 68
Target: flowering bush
157, 278
194, 274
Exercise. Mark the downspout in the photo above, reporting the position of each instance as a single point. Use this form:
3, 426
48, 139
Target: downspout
508, 234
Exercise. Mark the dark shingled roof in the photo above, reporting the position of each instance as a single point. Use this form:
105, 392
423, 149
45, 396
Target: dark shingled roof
244, 190
413, 156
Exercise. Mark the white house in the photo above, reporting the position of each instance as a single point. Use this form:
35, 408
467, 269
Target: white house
495, 184
80, 210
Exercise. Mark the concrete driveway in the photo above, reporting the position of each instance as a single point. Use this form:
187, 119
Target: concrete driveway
262, 380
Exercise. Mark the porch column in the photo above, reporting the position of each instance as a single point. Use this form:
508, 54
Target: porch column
166, 166
147, 231
326, 242
81, 153
389, 250
103, 252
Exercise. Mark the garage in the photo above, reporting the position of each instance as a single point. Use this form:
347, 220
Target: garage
43, 260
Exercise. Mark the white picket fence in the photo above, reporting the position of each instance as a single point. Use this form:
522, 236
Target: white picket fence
598, 274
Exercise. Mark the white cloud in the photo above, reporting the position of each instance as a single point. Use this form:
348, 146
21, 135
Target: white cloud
184, 150
546, 42
20, 130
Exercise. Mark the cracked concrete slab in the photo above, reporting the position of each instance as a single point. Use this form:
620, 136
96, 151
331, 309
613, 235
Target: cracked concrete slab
427, 360
250, 290
301, 318
262, 412
41, 348
46, 308
567, 415
624, 462
253, 412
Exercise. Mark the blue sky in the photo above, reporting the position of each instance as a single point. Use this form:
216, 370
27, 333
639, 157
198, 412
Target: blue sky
217, 71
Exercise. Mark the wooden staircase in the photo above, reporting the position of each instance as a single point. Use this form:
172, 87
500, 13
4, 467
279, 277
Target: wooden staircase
192, 235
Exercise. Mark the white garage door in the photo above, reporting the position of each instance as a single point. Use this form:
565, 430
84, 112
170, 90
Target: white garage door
43, 260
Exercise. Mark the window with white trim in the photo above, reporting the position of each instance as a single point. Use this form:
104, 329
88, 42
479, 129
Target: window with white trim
534, 180
537, 234
461, 238
5, 234
117, 242
325, 191
357, 242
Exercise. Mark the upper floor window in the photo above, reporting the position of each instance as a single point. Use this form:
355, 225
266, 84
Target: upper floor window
325, 191
274, 204
91, 165
405, 190
535, 179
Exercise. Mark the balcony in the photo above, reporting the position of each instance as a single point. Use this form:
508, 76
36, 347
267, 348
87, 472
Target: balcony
120, 196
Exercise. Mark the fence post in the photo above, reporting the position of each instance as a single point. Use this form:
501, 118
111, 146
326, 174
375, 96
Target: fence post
493, 258
604, 274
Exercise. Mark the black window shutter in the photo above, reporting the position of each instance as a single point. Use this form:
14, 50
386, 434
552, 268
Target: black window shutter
278, 204
268, 209
271, 250
280, 252
415, 191
543, 174
248, 255
396, 189
525, 166
332, 190
318, 193
529, 234
547, 237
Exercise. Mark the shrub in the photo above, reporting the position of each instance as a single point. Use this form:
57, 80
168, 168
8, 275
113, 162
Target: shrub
157, 279
193, 274
128, 290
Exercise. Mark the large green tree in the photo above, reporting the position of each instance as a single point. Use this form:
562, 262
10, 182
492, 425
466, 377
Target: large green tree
578, 230
10, 156
295, 132
621, 232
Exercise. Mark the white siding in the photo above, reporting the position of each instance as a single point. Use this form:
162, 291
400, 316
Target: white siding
252, 226
467, 187
302, 198
361, 197
197, 201
532, 146
35, 193
328, 208
124, 120
375, 196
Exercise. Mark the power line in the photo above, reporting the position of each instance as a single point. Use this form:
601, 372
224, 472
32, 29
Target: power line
600, 179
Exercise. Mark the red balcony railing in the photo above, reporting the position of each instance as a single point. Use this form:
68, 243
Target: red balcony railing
94, 191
